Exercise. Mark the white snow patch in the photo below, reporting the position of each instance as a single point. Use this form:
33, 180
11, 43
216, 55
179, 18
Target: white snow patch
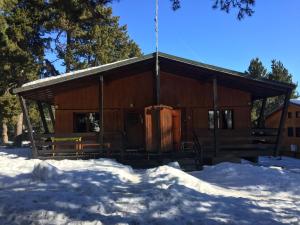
104, 191
44, 171
73, 73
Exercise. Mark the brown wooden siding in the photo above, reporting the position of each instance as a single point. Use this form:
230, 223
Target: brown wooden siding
193, 98
273, 122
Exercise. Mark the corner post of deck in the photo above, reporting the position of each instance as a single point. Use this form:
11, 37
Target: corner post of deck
50, 110
261, 118
215, 107
282, 122
101, 106
29, 126
42, 115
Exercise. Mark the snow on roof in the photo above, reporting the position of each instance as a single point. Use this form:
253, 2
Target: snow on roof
91, 69
295, 101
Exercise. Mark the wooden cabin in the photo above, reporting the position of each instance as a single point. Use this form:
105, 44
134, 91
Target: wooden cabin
291, 133
126, 110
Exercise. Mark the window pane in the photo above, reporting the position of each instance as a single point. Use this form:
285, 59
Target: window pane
297, 131
297, 114
227, 119
211, 119
290, 132
86, 122
289, 114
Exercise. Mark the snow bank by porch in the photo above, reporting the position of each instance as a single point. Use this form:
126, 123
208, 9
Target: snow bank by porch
106, 192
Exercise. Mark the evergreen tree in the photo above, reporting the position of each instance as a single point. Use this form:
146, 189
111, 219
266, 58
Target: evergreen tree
85, 34
256, 70
243, 7
278, 72
21, 50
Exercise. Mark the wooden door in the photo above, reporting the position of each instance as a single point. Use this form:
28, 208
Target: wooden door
134, 130
176, 121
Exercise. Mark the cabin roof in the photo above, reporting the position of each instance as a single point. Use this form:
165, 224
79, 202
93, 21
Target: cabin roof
45, 89
294, 101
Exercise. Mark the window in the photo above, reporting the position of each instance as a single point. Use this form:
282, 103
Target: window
86, 122
297, 131
211, 119
290, 115
290, 132
297, 114
227, 119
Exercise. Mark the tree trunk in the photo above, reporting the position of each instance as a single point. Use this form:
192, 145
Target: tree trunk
68, 53
19, 131
4, 133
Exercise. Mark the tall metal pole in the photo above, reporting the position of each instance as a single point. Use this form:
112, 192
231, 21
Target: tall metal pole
156, 58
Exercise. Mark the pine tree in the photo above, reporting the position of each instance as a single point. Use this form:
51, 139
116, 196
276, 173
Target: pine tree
256, 70
279, 73
85, 33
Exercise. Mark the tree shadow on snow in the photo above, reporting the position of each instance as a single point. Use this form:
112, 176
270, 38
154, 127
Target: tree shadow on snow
98, 195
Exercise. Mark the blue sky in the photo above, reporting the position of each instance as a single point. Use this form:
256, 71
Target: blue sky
198, 32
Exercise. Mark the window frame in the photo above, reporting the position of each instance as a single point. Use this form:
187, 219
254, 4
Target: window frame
88, 122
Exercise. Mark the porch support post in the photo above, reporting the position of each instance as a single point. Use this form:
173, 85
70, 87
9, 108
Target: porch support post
51, 116
43, 118
101, 106
28, 124
215, 106
282, 122
261, 119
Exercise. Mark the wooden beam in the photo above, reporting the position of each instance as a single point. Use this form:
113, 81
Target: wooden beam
261, 118
43, 118
28, 124
215, 106
101, 106
51, 116
282, 122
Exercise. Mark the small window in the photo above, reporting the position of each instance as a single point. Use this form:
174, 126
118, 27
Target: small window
290, 115
290, 132
227, 116
297, 114
86, 122
297, 131
211, 119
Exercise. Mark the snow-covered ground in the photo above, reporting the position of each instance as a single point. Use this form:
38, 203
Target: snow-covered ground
106, 192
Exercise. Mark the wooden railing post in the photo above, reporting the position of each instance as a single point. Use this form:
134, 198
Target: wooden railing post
29, 126
215, 106
282, 122
51, 116
101, 106
43, 118
261, 119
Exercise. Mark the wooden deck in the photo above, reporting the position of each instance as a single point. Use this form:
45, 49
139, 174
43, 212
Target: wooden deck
198, 152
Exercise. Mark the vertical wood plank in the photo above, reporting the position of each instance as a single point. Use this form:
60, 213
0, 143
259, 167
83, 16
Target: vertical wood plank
29, 126
43, 118
215, 106
282, 122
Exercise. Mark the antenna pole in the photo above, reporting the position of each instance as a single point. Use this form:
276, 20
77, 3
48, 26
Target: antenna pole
156, 58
